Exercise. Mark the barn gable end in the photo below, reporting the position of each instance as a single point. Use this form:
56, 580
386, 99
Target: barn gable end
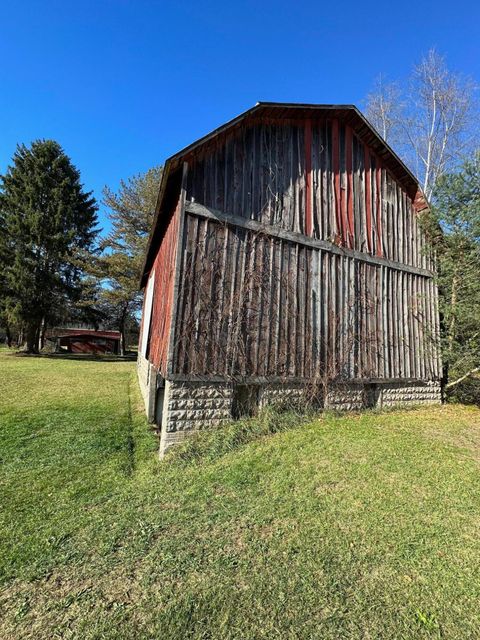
293, 258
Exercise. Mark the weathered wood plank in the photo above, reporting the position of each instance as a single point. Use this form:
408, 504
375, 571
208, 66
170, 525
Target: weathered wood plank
319, 262
178, 262
214, 214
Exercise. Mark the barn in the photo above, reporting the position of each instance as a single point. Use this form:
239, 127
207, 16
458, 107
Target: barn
286, 263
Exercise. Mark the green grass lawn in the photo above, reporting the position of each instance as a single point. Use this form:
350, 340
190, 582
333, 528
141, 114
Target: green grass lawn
364, 526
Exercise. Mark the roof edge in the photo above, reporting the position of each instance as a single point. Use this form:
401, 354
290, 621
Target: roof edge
419, 199
163, 184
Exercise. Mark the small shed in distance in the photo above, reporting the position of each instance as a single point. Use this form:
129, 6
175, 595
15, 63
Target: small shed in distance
85, 341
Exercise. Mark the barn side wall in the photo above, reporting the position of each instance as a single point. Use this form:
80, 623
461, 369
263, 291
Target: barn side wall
164, 267
302, 260
255, 302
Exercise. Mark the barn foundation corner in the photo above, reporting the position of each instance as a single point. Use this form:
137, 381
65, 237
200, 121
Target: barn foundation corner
190, 406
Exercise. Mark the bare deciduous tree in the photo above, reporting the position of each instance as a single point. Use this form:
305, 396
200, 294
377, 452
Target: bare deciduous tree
433, 118
441, 121
384, 108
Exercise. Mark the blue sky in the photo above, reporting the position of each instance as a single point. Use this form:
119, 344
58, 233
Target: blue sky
124, 84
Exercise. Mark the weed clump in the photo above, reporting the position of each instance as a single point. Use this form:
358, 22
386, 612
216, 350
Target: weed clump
210, 444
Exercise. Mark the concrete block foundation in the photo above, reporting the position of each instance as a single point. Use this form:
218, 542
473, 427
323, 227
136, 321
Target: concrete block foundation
193, 406
397, 394
181, 407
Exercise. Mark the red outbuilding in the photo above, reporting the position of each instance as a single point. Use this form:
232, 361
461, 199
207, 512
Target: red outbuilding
86, 341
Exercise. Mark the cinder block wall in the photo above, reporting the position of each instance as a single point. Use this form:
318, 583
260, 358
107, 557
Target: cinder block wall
191, 406
288, 395
345, 398
397, 394
196, 405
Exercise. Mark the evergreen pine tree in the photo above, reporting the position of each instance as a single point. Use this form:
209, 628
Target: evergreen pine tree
457, 213
5, 258
48, 226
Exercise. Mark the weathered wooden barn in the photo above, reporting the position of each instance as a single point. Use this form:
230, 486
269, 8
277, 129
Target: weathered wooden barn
286, 263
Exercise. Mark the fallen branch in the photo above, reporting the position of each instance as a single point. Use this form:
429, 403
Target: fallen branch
452, 384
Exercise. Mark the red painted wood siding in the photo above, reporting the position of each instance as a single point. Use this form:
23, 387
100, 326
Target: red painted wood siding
164, 267
314, 177
84, 345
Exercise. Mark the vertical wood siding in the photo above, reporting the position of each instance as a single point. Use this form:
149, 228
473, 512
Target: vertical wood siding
314, 177
252, 304
164, 267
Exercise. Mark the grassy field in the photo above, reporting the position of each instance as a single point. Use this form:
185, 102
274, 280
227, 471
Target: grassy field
364, 526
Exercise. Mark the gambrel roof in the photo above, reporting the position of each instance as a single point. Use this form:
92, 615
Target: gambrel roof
272, 111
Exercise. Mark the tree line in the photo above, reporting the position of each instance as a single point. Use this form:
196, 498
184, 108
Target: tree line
431, 120
55, 265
